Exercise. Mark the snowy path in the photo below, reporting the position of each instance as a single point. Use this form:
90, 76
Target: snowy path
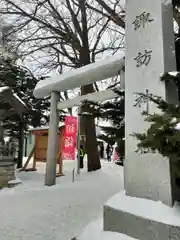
33, 212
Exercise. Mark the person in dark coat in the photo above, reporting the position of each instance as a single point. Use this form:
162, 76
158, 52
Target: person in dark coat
81, 154
108, 152
102, 150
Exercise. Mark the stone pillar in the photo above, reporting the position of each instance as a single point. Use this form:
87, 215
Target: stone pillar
150, 52
7, 164
50, 177
140, 213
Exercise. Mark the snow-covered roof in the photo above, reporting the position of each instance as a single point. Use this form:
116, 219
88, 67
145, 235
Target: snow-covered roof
6, 88
43, 128
98, 129
85, 75
10, 103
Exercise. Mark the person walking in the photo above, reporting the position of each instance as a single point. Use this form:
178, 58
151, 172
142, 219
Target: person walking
108, 152
81, 154
102, 150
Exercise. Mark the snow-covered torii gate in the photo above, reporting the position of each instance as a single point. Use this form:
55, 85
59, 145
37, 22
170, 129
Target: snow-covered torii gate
106, 68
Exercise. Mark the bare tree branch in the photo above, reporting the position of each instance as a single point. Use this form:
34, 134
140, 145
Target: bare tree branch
98, 38
61, 35
114, 16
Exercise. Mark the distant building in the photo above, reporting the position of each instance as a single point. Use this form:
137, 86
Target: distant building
29, 139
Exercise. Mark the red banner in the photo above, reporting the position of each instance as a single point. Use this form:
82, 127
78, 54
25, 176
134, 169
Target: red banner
69, 141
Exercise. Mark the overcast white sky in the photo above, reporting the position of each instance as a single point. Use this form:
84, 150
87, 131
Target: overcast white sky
101, 85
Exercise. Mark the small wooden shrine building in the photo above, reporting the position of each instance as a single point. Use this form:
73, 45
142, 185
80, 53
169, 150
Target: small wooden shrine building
41, 142
40, 145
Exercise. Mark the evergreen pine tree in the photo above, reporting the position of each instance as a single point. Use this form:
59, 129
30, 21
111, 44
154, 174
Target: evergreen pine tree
23, 82
112, 111
163, 134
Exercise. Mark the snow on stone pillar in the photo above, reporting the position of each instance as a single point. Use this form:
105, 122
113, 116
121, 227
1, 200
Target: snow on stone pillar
50, 177
149, 53
147, 177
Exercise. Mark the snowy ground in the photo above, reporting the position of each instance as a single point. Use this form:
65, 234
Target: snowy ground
31, 211
94, 231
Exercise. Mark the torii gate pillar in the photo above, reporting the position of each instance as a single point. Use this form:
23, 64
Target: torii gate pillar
50, 177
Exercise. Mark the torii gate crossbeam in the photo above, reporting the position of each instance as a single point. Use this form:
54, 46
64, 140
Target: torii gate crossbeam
106, 68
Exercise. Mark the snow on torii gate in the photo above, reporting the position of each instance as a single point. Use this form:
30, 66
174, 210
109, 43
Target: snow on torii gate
106, 68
